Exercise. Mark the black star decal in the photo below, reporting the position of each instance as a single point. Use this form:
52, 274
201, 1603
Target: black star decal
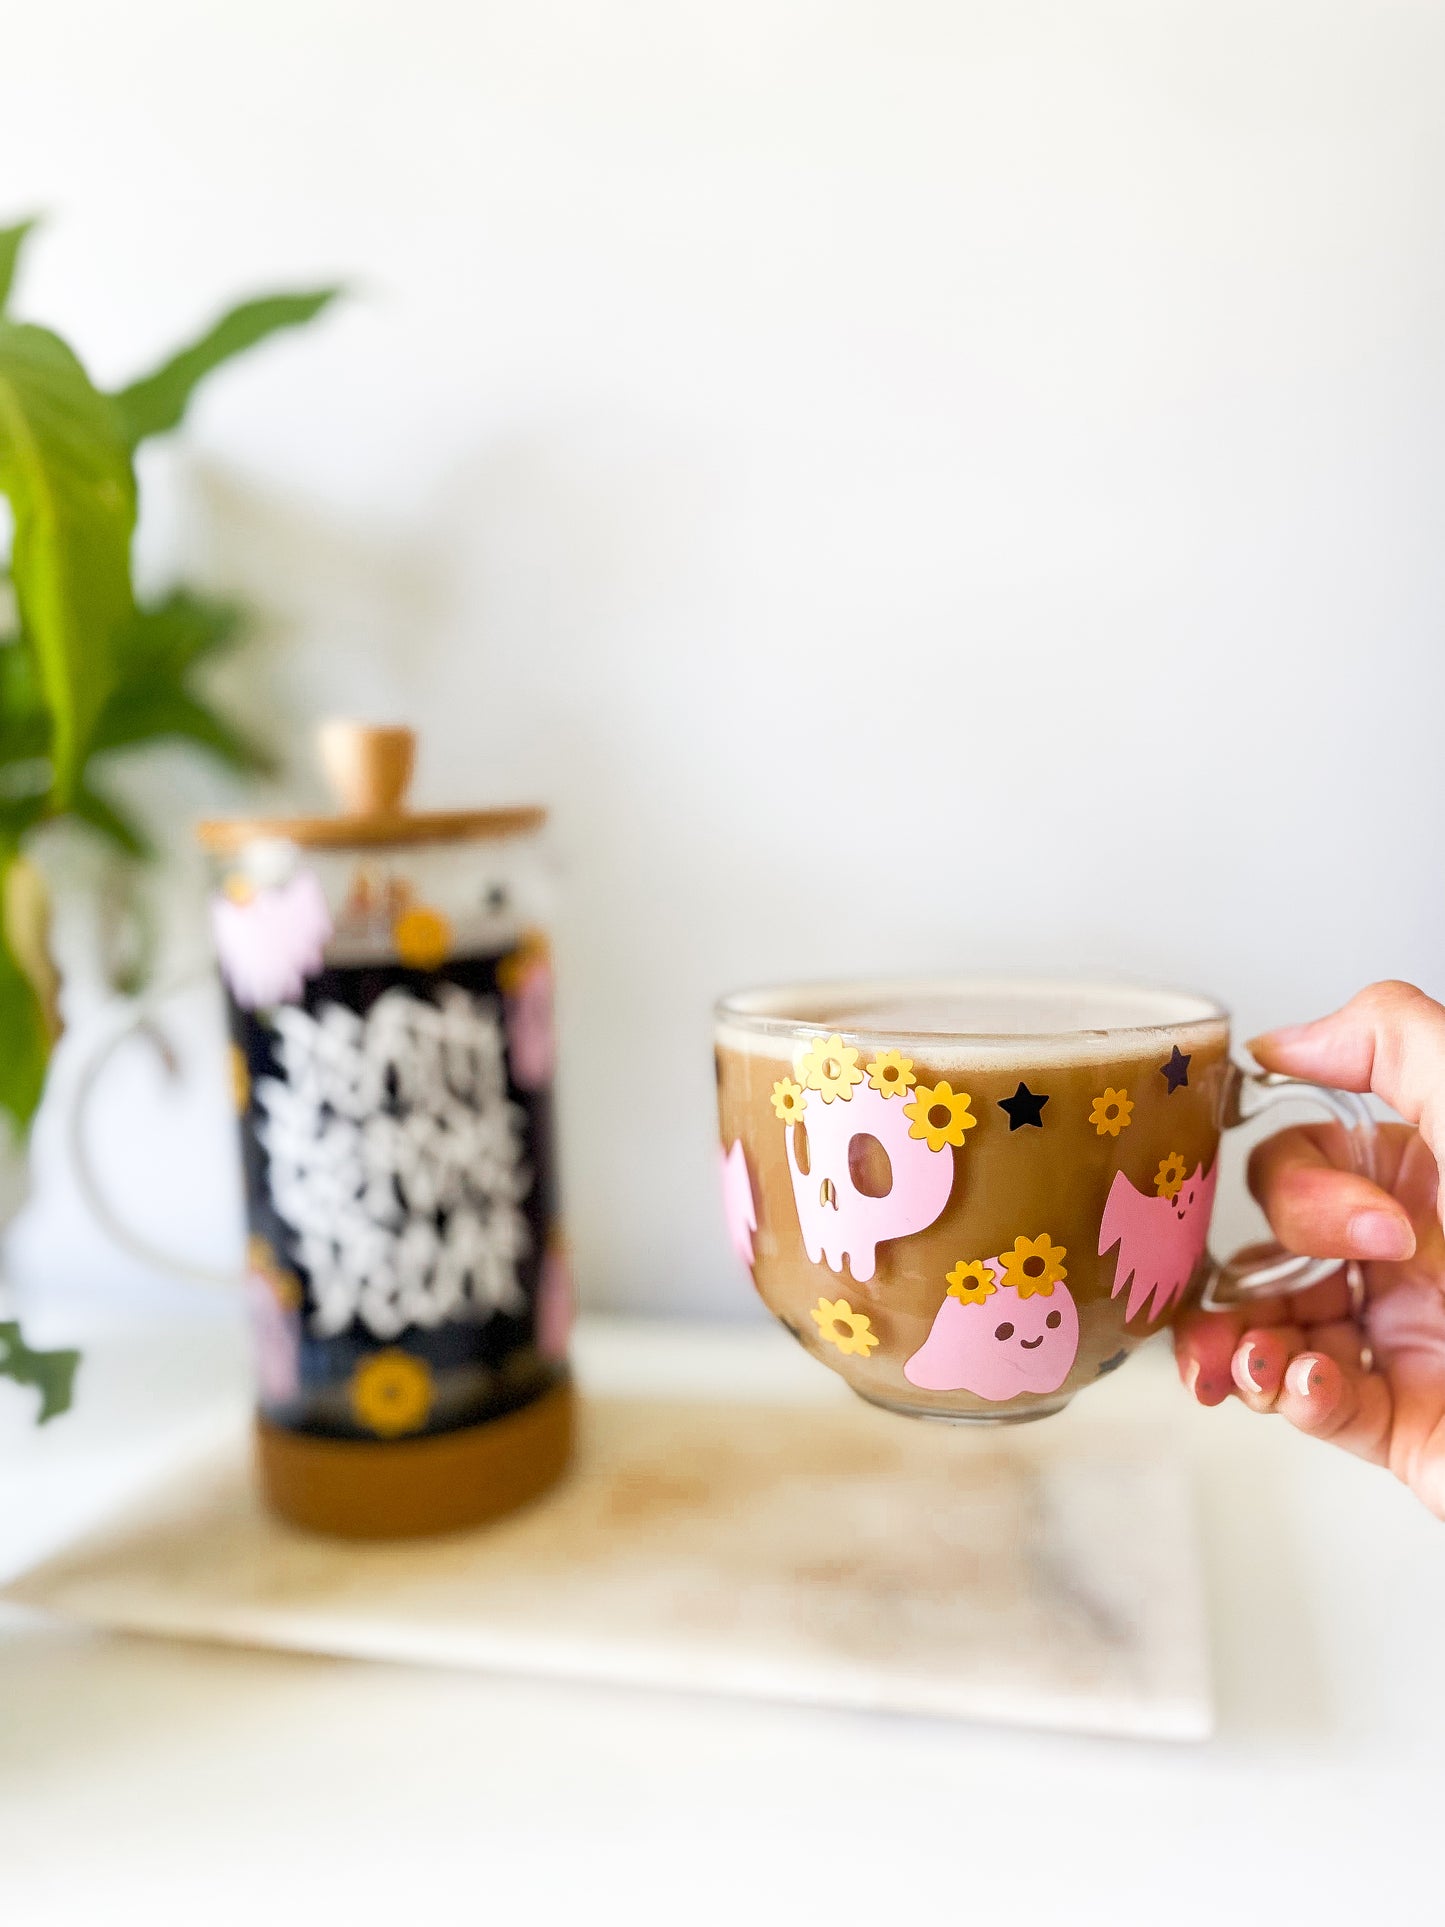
1024, 1107
1176, 1071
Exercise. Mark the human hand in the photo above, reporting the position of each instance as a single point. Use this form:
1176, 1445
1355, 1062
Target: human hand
1369, 1378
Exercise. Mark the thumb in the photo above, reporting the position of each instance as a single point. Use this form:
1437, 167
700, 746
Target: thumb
1389, 1039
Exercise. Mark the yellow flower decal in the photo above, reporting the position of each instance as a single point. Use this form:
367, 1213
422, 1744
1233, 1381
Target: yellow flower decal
240, 1080
391, 1393
891, 1073
1170, 1176
238, 888
830, 1067
1112, 1111
940, 1114
788, 1100
840, 1325
971, 1282
1034, 1266
422, 937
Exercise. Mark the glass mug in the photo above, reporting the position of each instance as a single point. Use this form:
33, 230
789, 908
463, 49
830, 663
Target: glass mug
974, 1198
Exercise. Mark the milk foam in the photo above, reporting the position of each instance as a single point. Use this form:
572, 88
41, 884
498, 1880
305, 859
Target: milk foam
974, 1021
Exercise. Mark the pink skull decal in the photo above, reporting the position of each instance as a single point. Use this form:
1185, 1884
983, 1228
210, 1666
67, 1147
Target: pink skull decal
999, 1345
1160, 1240
838, 1220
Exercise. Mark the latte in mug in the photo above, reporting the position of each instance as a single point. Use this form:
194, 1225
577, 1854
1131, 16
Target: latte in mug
974, 1198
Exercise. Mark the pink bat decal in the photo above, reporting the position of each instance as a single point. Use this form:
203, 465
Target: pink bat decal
738, 1207
1160, 1240
1000, 1348
838, 1220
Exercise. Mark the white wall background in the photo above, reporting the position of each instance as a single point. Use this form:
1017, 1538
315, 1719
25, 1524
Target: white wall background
912, 484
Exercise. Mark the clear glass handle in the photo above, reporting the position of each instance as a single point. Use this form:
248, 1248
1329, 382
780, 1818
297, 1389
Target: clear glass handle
141, 1022
1251, 1091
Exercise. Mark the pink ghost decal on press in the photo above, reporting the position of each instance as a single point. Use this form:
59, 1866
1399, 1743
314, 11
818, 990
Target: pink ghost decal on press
1160, 1240
838, 1221
1002, 1345
531, 1045
268, 942
555, 1303
738, 1207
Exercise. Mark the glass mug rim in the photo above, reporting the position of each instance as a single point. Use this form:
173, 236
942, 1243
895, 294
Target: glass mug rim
779, 1011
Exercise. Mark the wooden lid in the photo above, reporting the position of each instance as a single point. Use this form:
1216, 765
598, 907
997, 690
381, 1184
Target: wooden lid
369, 767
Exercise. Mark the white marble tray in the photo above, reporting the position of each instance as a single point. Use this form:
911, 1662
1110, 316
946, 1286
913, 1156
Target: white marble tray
818, 1551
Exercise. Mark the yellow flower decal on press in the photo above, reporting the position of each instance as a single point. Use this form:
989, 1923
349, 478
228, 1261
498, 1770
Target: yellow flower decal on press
851, 1331
391, 1393
940, 1114
423, 938
971, 1282
1112, 1111
830, 1067
1035, 1265
1170, 1176
891, 1073
788, 1100
240, 1080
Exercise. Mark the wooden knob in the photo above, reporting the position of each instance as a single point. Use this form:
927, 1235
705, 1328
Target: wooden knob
368, 765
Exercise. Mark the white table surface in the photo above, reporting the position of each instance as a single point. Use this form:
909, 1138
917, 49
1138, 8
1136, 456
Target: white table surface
157, 1782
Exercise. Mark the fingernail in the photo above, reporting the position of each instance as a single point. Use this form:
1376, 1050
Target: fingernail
1304, 1377
1286, 1035
1247, 1368
1191, 1376
1380, 1234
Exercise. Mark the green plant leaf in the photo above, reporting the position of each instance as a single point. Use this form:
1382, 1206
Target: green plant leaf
24, 719
12, 240
19, 813
51, 1373
150, 709
66, 470
156, 404
173, 634
24, 1033
107, 819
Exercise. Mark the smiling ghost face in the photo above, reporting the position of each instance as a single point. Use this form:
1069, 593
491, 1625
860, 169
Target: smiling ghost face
1001, 1348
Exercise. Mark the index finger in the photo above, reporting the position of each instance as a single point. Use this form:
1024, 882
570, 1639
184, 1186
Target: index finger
1316, 1208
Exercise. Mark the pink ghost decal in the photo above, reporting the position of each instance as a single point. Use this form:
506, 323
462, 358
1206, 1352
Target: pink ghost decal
838, 1220
269, 944
276, 1335
1160, 1240
1001, 1348
554, 1304
738, 1207
530, 1041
